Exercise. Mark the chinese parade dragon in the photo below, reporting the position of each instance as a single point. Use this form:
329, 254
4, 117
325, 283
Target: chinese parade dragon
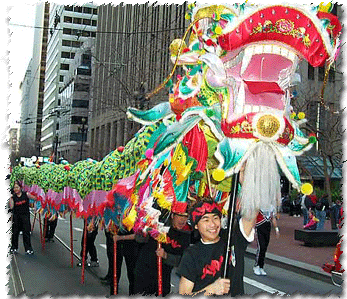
230, 108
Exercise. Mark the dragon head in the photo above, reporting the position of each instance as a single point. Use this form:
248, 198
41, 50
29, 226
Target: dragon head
244, 57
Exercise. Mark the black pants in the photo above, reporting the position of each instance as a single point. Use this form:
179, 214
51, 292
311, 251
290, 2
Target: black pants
146, 282
263, 234
21, 222
127, 250
90, 246
50, 230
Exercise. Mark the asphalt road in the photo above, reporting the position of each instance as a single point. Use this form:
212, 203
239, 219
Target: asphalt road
49, 271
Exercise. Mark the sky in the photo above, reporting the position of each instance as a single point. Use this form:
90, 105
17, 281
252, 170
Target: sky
17, 54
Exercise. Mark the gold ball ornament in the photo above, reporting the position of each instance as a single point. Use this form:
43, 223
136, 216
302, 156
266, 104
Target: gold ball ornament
218, 174
307, 188
268, 125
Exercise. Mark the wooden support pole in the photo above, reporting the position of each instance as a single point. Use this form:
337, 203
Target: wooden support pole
44, 233
71, 240
40, 227
32, 227
115, 283
160, 273
84, 250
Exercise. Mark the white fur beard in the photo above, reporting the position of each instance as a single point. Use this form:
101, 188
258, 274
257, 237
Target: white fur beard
261, 189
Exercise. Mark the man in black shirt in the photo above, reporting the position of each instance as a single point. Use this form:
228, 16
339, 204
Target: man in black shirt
201, 265
146, 270
19, 204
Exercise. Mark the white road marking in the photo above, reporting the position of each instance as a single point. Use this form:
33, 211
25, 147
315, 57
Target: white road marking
263, 287
18, 289
61, 218
103, 245
78, 229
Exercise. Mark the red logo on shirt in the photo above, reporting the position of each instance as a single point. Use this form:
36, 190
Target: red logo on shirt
174, 243
19, 203
213, 268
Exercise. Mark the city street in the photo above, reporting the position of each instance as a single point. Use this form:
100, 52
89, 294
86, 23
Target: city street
49, 271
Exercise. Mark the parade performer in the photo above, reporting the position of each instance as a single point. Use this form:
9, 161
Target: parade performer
92, 232
19, 205
146, 271
263, 229
50, 226
201, 265
127, 249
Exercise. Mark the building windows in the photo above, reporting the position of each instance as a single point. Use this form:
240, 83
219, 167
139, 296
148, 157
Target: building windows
67, 19
93, 22
87, 10
77, 8
84, 71
71, 43
69, 55
80, 103
66, 43
67, 31
75, 44
64, 66
86, 22
77, 120
77, 20
61, 78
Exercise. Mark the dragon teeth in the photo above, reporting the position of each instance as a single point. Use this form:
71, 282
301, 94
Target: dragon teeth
263, 49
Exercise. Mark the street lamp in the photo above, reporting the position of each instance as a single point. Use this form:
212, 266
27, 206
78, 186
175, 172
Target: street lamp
82, 130
55, 147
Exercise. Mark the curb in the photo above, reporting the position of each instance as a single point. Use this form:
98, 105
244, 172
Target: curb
293, 265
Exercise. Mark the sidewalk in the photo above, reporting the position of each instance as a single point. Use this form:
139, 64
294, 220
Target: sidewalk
292, 253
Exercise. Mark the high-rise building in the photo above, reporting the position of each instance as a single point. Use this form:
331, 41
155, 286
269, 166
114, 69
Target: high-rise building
69, 27
32, 87
131, 59
75, 96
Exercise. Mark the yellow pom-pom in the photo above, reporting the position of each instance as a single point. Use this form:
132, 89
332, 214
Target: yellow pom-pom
218, 174
307, 188
325, 8
301, 115
218, 30
292, 115
187, 16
